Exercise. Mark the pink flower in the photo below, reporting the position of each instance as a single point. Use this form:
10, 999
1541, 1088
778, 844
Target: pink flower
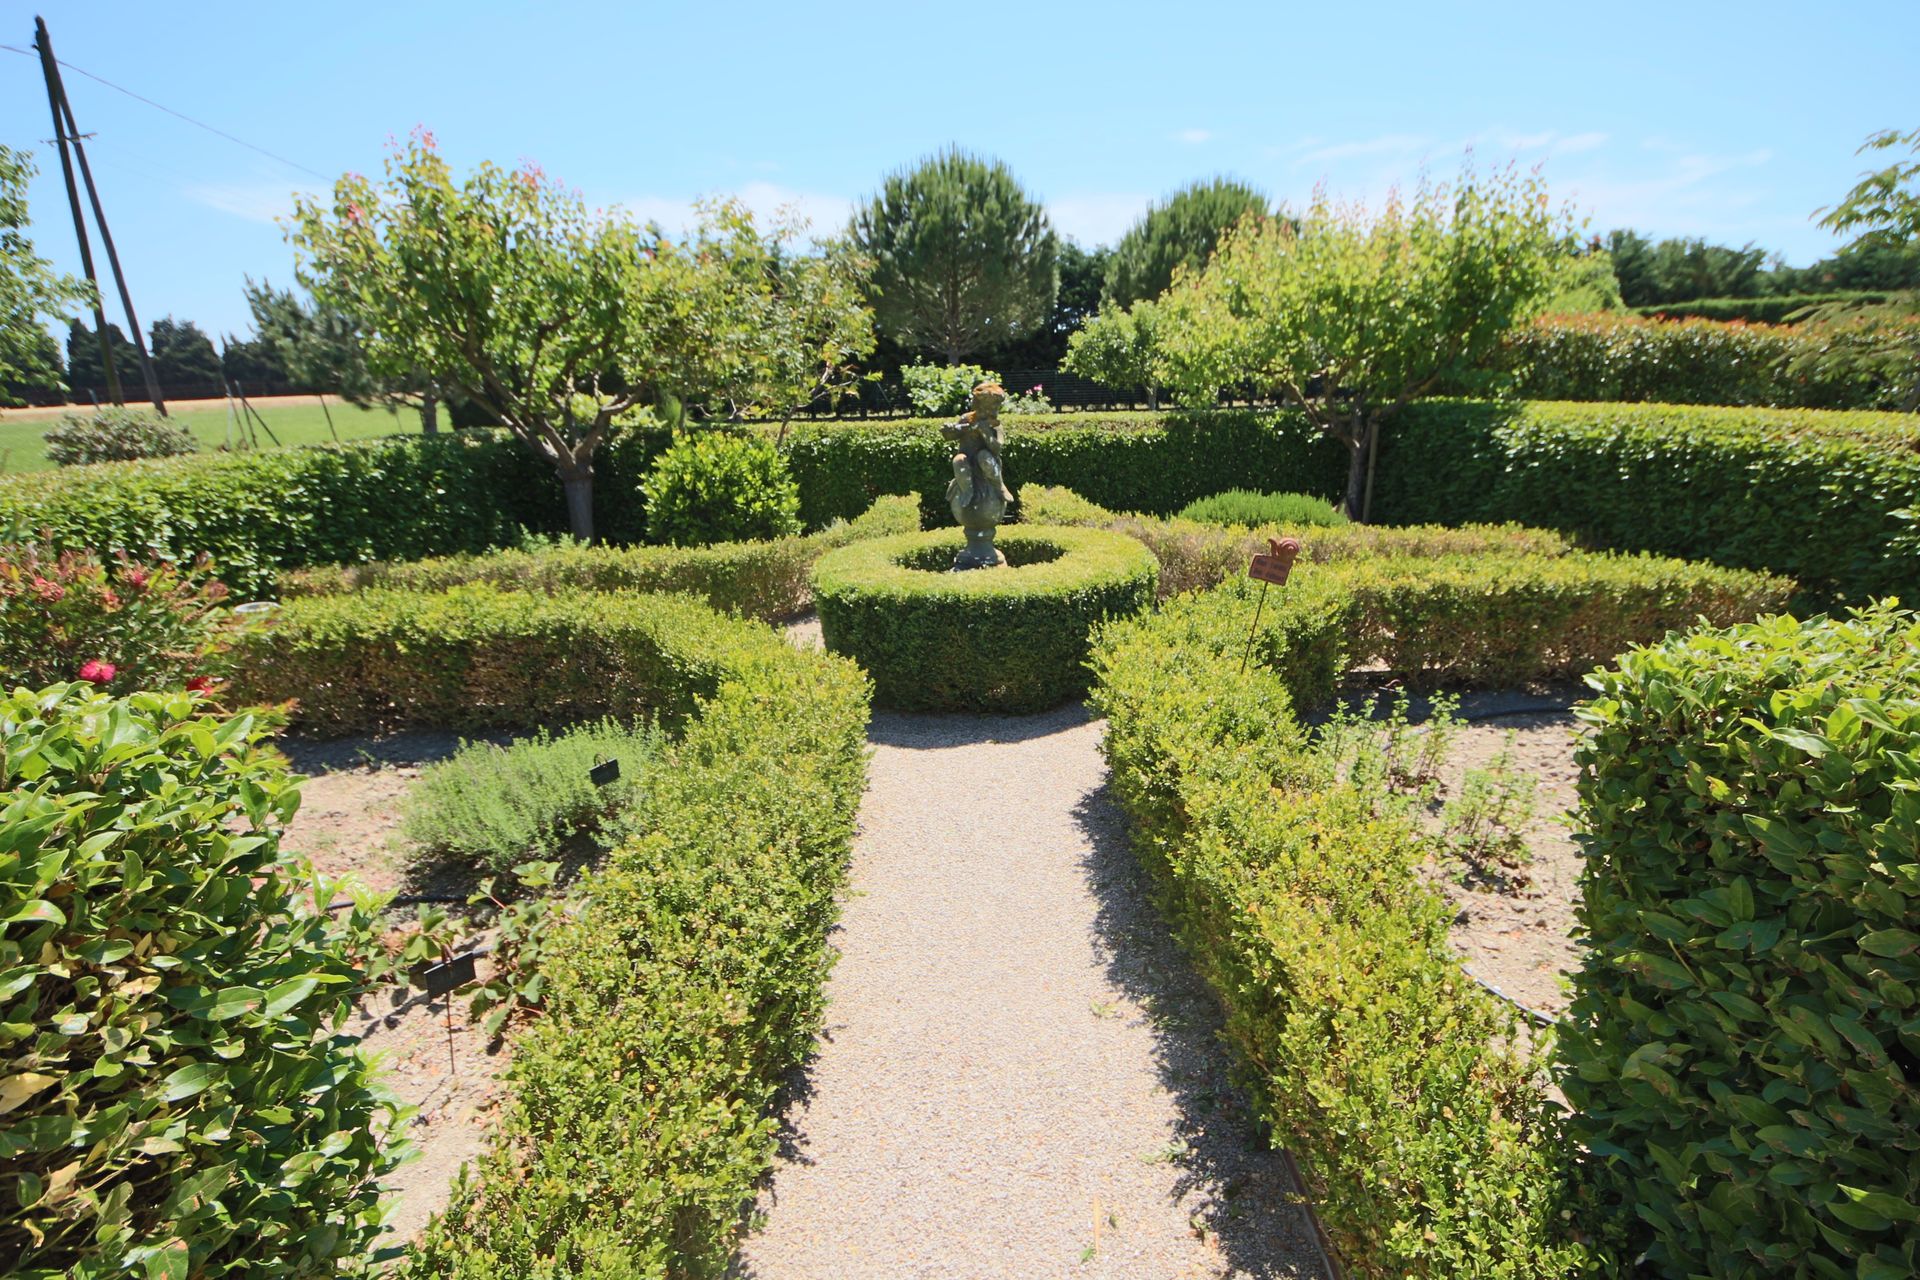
94, 671
200, 684
135, 578
51, 592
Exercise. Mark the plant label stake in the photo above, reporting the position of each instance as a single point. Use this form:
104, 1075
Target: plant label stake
604, 774
1269, 568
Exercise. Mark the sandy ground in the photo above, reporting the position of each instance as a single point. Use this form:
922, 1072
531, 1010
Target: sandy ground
1020, 1076
1518, 937
347, 824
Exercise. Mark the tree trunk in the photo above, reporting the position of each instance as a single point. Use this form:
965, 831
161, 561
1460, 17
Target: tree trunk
578, 483
430, 414
1356, 478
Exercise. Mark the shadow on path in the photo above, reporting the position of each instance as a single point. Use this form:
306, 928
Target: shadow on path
1250, 1203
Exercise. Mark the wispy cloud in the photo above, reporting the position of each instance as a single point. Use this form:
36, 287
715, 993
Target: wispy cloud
1194, 137
1385, 145
1677, 191
255, 201
825, 215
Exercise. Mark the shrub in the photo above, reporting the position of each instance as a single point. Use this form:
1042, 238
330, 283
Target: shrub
1424, 1133
712, 486
172, 1104
1009, 639
679, 1001
112, 434
1741, 1049
496, 807
1250, 508
132, 626
764, 580
943, 390
479, 658
1813, 495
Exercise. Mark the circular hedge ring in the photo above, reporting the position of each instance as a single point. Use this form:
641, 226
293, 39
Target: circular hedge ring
1009, 639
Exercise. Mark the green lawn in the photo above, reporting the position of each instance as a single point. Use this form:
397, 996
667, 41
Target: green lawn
21, 448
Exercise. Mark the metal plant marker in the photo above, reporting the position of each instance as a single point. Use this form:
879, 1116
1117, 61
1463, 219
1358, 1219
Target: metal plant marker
978, 492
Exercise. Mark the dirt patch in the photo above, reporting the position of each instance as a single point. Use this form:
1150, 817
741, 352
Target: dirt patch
1518, 937
431, 1056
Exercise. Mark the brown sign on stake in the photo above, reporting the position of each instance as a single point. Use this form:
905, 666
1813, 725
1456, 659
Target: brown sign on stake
1276, 563
1270, 569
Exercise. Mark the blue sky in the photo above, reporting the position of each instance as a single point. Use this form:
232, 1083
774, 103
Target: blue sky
1731, 121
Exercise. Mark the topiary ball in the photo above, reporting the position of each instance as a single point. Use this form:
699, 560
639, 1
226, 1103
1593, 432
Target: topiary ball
719, 486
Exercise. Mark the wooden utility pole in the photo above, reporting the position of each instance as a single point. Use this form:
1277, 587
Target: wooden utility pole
63, 114
51, 71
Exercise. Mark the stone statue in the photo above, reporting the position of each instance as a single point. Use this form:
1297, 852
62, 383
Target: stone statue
978, 492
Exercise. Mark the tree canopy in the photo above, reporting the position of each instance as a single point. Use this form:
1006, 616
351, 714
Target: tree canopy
503, 286
32, 293
962, 260
1350, 314
1181, 231
183, 356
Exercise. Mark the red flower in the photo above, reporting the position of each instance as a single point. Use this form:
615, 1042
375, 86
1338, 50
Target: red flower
200, 684
50, 592
94, 671
135, 577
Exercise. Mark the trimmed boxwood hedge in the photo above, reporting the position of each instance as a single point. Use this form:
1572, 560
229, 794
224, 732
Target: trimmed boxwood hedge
679, 1000
1743, 1048
1424, 1131
765, 580
480, 658
1010, 639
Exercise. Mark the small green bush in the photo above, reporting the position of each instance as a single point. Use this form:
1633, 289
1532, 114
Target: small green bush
713, 486
477, 658
943, 390
112, 434
1248, 508
1743, 1050
132, 626
765, 580
1008, 639
679, 1000
496, 807
171, 1102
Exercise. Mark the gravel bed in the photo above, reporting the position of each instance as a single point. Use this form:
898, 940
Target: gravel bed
1020, 1075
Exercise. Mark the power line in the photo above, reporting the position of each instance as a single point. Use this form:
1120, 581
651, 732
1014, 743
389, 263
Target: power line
160, 106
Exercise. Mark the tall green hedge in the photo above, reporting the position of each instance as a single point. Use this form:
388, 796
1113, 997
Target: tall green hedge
1155, 463
394, 498
1776, 309
1814, 495
1743, 1049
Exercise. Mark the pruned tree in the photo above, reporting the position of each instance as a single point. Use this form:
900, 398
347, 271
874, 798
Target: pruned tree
32, 293
1179, 232
1351, 315
1119, 348
963, 261
503, 286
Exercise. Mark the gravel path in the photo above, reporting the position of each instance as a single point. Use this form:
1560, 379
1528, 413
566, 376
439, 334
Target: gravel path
1020, 1076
